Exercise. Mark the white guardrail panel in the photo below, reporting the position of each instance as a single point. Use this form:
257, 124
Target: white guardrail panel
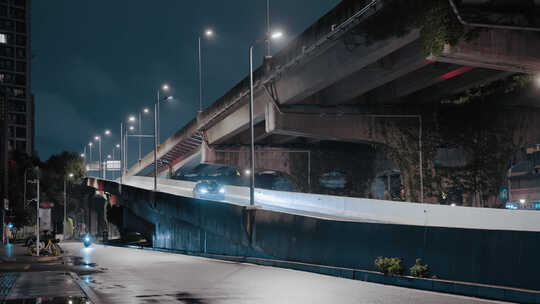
364, 209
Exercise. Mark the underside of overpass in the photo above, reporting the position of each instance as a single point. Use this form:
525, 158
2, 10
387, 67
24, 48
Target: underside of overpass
348, 85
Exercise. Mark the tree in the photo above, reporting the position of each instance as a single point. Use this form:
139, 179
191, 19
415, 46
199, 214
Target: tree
19, 163
53, 173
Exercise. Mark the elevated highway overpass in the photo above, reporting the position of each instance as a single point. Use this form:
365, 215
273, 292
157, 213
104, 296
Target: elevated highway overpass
343, 80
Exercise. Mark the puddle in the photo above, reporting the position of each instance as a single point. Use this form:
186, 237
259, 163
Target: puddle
88, 279
48, 300
182, 297
79, 261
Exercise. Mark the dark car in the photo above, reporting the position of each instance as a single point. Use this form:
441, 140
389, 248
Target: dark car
209, 189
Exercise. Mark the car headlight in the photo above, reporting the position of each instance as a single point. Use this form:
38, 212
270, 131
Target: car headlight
222, 190
203, 190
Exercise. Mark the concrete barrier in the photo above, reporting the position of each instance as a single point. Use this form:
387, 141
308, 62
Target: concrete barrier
360, 209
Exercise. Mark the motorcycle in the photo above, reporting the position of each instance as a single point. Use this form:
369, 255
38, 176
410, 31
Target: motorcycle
87, 240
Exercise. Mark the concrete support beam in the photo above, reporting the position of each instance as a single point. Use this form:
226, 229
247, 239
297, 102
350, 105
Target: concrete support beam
396, 65
414, 82
507, 50
238, 120
333, 65
244, 138
350, 128
456, 85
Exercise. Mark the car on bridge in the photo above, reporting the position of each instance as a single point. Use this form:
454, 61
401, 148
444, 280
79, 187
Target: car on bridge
209, 189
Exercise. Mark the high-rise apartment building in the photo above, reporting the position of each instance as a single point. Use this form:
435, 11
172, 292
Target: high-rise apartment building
15, 82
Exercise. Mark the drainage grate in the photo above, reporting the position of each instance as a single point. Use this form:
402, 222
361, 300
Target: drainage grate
7, 280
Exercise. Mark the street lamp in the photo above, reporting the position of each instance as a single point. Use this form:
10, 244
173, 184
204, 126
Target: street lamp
89, 159
207, 33
274, 36
165, 88
107, 133
117, 146
70, 176
144, 111
156, 128
98, 139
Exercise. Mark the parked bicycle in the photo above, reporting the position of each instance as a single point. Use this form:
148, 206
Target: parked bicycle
50, 248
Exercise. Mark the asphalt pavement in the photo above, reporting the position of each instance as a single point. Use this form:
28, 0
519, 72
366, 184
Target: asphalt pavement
125, 275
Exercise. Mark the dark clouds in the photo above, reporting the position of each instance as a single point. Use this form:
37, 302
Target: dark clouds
98, 61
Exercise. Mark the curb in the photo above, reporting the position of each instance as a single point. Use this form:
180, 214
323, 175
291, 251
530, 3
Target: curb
90, 294
499, 293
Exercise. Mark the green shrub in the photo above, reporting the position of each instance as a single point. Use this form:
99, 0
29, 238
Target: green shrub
419, 270
389, 266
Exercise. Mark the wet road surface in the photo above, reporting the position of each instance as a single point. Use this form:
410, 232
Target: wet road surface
138, 276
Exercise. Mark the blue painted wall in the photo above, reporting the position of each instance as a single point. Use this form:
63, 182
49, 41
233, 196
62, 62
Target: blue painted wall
507, 258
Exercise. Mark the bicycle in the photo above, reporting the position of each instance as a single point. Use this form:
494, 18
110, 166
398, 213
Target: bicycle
51, 248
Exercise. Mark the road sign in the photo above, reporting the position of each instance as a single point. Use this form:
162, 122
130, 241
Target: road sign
504, 194
46, 205
44, 219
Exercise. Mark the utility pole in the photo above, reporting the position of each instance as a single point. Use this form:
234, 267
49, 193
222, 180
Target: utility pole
37, 218
36, 181
267, 28
24, 191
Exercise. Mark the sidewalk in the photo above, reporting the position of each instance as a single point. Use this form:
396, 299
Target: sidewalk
44, 279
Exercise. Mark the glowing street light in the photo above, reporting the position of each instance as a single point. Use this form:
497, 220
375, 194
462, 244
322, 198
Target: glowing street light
276, 35
132, 118
107, 132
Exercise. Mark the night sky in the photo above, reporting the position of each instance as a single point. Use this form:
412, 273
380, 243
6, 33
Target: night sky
96, 62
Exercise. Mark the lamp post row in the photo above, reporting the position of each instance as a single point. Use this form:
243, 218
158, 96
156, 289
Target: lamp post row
124, 134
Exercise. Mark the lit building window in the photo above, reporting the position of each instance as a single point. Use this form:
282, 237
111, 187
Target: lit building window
3, 38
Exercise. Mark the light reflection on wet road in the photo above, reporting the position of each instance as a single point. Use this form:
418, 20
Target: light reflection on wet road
137, 276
